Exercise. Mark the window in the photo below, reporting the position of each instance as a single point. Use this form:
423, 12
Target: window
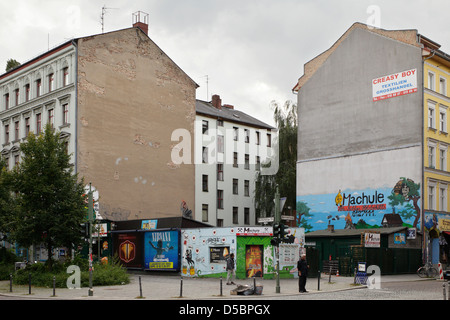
235, 186
431, 157
27, 127
27, 92
430, 80
204, 126
258, 164
235, 159
443, 119
235, 133
65, 108
220, 144
205, 155
258, 142
205, 182
51, 118
204, 212
220, 171
38, 123
443, 158
443, 198
6, 99
65, 76
16, 94
247, 188
38, 87
269, 140
16, 159
431, 108
443, 86
246, 215
219, 199
431, 200
220, 123
16, 130
235, 215
51, 82
246, 135
6, 133
247, 162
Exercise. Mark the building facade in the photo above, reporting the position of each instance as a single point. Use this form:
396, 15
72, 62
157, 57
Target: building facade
116, 98
229, 149
372, 140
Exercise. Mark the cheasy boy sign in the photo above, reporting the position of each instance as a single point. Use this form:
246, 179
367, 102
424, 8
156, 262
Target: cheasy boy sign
394, 85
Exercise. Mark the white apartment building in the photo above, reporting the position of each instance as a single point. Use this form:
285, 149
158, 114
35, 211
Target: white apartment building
39, 92
229, 149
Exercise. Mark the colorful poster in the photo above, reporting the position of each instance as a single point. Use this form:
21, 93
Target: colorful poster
128, 247
254, 261
161, 250
360, 209
394, 85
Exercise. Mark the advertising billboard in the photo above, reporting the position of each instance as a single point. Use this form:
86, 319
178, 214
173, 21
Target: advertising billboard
394, 85
128, 247
161, 250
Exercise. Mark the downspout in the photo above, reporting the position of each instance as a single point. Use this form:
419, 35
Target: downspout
76, 106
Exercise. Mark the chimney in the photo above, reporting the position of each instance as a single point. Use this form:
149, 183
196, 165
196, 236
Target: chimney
216, 102
330, 228
140, 20
229, 106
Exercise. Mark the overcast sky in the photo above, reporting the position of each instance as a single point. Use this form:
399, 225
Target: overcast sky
250, 52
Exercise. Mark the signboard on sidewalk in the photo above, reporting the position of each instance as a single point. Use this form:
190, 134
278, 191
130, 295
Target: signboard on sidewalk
394, 85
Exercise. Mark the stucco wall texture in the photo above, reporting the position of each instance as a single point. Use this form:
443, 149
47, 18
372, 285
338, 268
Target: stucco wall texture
131, 97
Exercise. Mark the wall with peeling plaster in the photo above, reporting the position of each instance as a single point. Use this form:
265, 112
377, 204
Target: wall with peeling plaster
131, 97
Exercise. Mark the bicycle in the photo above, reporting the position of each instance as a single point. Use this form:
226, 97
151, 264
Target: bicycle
427, 271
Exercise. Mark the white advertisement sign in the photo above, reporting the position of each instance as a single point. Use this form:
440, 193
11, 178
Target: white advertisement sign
372, 240
394, 85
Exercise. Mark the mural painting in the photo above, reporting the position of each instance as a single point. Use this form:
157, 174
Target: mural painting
361, 209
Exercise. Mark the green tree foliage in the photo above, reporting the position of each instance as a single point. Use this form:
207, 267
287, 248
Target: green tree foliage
286, 121
11, 64
49, 198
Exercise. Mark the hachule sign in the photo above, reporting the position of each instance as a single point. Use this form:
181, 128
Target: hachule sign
363, 202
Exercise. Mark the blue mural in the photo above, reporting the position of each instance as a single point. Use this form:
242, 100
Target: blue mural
360, 209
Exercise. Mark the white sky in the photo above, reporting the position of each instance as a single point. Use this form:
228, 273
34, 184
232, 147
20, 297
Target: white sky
252, 51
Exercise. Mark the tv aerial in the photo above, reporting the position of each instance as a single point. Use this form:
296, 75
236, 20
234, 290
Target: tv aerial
104, 8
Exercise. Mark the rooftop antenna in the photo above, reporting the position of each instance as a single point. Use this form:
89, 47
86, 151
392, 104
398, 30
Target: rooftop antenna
207, 87
104, 8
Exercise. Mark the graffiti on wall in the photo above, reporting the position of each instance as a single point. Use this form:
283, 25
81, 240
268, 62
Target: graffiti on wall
361, 209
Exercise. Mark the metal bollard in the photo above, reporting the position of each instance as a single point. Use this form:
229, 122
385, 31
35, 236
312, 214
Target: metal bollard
54, 286
29, 283
140, 287
318, 281
181, 287
10, 282
221, 286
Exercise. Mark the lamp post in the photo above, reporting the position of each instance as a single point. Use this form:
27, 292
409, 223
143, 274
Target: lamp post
90, 217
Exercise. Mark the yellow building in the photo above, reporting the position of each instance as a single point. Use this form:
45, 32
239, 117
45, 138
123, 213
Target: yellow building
436, 173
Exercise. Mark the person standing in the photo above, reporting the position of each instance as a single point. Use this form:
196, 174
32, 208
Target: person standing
230, 269
302, 267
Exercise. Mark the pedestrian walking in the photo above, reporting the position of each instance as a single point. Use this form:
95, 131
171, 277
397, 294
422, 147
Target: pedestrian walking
302, 267
230, 269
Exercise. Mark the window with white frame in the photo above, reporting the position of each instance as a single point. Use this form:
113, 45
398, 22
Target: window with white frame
431, 197
443, 158
442, 197
204, 212
443, 86
65, 76
443, 119
431, 155
431, 114
431, 80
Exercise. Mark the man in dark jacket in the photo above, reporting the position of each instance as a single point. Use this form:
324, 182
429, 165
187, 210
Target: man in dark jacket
302, 267
230, 269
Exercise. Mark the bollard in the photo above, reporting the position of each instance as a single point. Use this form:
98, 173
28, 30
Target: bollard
29, 283
221, 286
54, 286
444, 291
140, 287
318, 281
254, 284
10, 282
181, 287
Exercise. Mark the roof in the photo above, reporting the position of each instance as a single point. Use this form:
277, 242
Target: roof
351, 232
163, 223
229, 114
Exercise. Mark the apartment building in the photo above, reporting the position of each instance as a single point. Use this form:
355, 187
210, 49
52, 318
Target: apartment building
372, 140
230, 147
116, 98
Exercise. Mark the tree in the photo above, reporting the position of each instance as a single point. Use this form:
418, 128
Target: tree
6, 199
50, 201
286, 121
11, 64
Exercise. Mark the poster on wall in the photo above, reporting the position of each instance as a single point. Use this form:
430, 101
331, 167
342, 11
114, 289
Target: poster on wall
372, 240
254, 261
218, 254
361, 209
394, 85
128, 247
161, 250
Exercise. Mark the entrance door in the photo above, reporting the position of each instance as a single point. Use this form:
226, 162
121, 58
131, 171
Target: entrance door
254, 261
